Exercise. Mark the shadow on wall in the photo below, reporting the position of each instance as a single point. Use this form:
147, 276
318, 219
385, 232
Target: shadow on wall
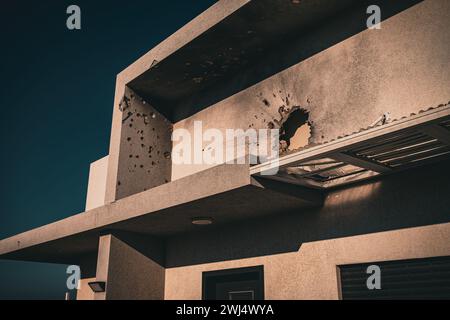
225, 59
401, 200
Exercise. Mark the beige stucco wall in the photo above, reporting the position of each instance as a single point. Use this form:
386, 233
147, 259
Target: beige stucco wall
311, 273
97, 184
84, 292
351, 84
128, 273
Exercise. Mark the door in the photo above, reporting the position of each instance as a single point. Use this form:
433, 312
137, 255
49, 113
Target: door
234, 284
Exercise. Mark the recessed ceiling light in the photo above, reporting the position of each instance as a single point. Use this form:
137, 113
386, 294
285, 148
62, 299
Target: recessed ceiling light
202, 221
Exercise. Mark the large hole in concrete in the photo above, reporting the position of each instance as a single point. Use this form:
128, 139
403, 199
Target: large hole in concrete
295, 129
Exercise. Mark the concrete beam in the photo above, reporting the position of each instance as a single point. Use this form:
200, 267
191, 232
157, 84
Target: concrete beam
312, 196
359, 162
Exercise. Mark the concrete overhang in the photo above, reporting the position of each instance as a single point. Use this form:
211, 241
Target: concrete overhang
232, 192
226, 193
212, 52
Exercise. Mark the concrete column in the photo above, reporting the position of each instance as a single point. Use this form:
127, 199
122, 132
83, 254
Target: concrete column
128, 273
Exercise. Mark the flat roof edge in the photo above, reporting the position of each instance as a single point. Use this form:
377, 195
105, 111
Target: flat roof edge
204, 21
197, 186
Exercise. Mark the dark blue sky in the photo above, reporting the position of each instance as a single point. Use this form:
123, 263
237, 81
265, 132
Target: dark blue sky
57, 90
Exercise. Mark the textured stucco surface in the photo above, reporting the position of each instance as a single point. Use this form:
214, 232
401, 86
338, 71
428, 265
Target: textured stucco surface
400, 69
191, 30
84, 292
394, 202
128, 273
145, 147
311, 273
345, 87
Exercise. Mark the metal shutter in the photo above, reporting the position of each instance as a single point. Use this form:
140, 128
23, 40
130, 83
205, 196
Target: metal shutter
404, 279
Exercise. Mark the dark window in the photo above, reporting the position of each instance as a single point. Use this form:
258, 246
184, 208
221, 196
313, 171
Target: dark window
234, 284
427, 278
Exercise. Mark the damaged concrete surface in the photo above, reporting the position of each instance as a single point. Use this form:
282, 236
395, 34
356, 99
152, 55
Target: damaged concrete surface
145, 148
352, 84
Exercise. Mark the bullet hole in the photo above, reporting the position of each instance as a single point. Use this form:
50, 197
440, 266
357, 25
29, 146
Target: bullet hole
137, 156
128, 139
146, 121
124, 103
270, 125
165, 180
153, 129
266, 102
131, 156
150, 149
131, 125
118, 183
141, 166
138, 115
142, 145
167, 155
127, 117
153, 163
295, 128
142, 138
153, 115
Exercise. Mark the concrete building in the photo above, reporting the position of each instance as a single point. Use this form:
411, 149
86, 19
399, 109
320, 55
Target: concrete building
364, 172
